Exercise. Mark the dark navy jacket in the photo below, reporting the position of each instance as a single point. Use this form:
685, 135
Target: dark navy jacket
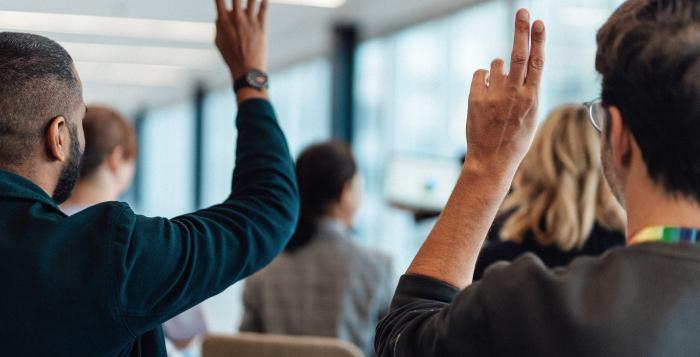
101, 282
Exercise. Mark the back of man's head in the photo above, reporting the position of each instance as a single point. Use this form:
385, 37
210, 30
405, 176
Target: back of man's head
649, 58
37, 84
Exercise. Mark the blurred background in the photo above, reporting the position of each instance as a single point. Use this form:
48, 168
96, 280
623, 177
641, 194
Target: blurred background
391, 77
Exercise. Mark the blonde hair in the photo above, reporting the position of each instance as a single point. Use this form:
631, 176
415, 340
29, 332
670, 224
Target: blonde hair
559, 192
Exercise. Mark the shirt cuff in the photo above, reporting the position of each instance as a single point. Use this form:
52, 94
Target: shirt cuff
423, 287
256, 106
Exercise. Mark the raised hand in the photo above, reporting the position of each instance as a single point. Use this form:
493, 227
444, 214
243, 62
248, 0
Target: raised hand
502, 117
241, 36
500, 126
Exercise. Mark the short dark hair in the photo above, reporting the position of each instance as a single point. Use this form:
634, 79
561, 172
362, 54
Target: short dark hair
649, 59
322, 171
37, 84
105, 130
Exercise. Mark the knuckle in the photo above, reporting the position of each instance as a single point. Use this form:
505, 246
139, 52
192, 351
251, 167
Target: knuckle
537, 63
519, 58
528, 99
512, 88
477, 100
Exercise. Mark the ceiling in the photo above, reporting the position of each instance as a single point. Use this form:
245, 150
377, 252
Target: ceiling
132, 64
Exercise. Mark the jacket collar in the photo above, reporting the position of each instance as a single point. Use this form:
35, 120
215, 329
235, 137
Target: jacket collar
15, 186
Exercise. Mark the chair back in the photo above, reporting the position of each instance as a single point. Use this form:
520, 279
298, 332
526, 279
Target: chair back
257, 345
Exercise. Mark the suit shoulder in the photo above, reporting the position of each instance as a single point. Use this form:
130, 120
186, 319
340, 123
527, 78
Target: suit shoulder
369, 254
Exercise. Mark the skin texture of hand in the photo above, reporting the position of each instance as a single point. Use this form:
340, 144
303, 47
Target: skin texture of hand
502, 117
501, 124
241, 37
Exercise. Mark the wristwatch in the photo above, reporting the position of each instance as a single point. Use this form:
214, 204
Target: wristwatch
254, 78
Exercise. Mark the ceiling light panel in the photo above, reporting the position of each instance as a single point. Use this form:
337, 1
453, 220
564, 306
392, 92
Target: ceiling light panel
316, 3
131, 74
172, 56
583, 16
181, 31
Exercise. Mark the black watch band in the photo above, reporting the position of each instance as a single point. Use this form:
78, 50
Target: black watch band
254, 78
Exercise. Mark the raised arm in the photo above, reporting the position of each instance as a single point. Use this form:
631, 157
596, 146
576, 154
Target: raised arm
501, 123
167, 266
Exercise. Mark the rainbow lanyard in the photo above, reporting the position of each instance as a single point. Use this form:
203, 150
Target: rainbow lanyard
665, 235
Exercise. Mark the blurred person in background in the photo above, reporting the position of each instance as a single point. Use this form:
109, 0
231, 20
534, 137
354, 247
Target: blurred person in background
106, 172
324, 284
560, 206
109, 159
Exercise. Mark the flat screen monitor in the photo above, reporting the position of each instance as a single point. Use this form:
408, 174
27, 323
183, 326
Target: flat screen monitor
420, 184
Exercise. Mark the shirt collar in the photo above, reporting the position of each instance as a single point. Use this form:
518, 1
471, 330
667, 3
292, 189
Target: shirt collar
15, 186
330, 226
70, 210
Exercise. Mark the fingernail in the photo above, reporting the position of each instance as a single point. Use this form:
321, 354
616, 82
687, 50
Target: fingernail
538, 27
524, 15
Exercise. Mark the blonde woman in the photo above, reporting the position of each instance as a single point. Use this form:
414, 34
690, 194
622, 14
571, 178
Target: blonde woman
560, 206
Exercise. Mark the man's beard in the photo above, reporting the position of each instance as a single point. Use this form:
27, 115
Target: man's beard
71, 171
611, 176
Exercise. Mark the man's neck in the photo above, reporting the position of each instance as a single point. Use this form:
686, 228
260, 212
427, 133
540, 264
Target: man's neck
652, 206
36, 173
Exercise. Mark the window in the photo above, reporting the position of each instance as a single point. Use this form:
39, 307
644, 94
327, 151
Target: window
412, 90
301, 97
570, 75
167, 161
219, 145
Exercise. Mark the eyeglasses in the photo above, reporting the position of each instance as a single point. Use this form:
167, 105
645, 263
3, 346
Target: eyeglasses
597, 113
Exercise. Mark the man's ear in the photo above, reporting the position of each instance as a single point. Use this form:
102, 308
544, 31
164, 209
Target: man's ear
621, 139
58, 139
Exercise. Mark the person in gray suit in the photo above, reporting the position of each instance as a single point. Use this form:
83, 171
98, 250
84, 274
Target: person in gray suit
324, 284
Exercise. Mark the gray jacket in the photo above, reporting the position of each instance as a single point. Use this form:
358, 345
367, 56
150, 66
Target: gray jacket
332, 287
638, 301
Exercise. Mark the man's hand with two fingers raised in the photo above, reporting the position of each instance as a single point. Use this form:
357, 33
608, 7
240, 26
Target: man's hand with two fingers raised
502, 117
501, 124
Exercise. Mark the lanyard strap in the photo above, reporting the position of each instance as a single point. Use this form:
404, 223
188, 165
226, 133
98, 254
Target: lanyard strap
665, 235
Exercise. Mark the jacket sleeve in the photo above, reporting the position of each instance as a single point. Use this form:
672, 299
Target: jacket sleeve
430, 318
166, 266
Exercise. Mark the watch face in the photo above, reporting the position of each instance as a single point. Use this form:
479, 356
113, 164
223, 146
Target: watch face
257, 79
